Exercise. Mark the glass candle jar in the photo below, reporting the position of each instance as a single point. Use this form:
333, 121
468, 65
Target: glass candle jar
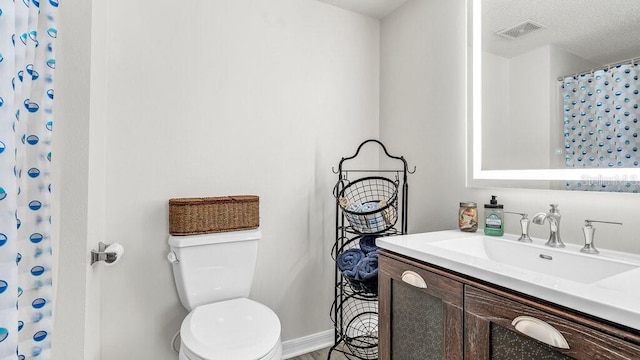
468, 216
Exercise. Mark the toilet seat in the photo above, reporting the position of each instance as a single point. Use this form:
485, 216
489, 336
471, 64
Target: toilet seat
231, 329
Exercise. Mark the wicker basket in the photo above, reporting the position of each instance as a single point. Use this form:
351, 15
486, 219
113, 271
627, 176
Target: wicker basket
191, 216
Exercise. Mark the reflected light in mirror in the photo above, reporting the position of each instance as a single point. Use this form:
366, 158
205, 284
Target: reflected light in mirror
632, 174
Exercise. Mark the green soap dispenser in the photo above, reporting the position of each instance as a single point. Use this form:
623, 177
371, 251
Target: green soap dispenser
493, 218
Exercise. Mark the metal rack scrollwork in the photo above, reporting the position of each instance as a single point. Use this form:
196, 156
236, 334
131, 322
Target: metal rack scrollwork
354, 312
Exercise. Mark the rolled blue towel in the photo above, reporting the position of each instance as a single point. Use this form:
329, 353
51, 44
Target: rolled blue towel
355, 207
367, 268
368, 207
368, 244
373, 221
353, 218
348, 261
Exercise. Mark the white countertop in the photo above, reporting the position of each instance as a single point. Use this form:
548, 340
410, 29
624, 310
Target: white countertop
615, 298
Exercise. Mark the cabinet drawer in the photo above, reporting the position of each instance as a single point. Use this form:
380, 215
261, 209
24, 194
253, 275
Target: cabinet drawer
490, 319
442, 287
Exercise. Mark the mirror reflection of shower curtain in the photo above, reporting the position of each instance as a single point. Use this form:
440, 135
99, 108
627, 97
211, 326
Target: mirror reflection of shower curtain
601, 125
27, 35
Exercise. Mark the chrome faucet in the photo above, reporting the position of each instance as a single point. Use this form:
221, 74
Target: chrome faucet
553, 216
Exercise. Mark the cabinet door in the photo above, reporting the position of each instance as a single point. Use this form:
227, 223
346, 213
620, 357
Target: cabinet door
497, 328
420, 313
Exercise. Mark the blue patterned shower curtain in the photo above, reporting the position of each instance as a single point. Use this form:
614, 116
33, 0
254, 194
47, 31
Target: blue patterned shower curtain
601, 125
27, 34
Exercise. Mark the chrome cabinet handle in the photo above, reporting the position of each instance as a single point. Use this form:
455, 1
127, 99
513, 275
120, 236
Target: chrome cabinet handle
412, 278
540, 331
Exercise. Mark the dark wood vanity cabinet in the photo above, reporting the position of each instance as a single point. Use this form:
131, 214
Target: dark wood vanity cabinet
457, 317
419, 319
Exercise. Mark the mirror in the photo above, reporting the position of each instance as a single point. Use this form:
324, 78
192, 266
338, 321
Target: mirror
550, 99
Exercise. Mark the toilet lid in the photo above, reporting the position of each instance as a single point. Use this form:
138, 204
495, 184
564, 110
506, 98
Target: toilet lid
232, 329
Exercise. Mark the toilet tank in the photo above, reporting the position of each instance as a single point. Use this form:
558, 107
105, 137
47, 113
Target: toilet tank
213, 267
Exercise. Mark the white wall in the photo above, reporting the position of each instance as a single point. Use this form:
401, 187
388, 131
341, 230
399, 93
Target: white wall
422, 105
516, 107
229, 97
496, 107
422, 114
529, 110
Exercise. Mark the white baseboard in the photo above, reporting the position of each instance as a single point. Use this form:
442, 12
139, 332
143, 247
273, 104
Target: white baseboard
307, 344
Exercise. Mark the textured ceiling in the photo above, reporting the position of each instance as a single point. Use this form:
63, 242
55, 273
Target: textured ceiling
603, 31
374, 8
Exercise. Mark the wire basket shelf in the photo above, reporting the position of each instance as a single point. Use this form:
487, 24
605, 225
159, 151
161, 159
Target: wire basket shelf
358, 324
370, 204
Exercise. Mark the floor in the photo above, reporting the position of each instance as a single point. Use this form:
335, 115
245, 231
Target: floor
321, 355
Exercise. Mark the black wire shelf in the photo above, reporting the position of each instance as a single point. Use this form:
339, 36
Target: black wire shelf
369, 206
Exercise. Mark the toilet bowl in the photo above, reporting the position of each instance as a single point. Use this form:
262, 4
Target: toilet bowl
232, 329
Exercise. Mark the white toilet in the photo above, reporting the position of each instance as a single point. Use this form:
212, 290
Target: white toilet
213, 275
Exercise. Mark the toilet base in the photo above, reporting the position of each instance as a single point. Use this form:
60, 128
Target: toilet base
274, 354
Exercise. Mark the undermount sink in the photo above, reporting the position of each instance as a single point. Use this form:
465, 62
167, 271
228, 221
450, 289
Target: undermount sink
559, 263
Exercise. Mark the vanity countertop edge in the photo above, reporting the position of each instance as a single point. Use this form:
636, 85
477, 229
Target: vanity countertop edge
614, 299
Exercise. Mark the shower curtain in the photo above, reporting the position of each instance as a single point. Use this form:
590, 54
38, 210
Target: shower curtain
27, 34
601, 125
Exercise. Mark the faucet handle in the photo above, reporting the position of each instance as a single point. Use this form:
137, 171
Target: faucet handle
589, 232
524, 226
